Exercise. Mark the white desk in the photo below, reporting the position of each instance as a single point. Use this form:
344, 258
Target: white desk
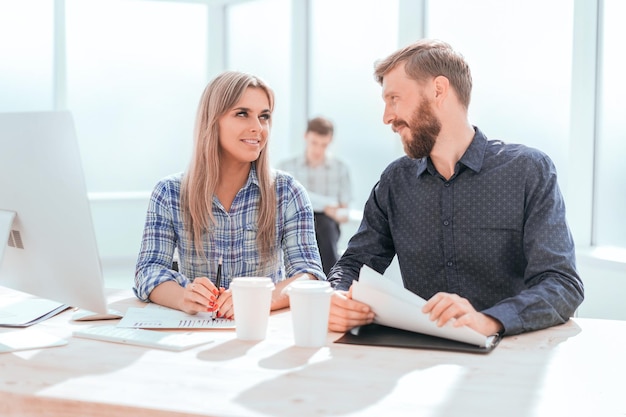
576, 369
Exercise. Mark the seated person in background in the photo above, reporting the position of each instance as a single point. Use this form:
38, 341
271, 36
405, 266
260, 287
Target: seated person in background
228, 205
327, 181
478, 225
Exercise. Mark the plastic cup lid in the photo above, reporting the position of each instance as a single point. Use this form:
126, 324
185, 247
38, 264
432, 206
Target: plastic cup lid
310, 286
252, 282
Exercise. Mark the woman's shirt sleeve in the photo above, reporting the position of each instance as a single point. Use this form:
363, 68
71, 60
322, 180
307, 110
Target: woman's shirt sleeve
297, 228
154, 262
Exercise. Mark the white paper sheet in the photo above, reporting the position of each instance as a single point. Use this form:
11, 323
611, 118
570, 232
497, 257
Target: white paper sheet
153, 316
395, 306
22, 339
29, 311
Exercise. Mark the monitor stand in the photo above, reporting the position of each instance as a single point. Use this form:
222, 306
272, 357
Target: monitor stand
6, 222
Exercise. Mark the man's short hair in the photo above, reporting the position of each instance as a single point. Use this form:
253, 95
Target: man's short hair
428, 58
321, 126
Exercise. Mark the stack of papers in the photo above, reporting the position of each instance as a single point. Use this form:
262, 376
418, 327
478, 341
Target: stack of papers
29, 311
397, 307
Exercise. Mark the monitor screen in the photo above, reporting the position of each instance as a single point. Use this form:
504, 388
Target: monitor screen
48, 247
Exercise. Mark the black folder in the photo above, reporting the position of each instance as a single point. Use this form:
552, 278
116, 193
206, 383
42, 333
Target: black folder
379, 335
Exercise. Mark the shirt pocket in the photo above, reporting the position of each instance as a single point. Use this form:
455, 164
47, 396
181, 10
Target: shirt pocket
249, 247
252, 258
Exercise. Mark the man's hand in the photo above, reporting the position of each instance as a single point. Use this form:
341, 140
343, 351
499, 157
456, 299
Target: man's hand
346, 313
443, 307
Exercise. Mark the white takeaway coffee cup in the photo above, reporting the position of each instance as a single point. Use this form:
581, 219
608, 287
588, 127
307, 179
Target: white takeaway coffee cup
252, 299
310, 307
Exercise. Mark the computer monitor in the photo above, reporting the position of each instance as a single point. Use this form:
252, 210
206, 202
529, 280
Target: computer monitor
44, 212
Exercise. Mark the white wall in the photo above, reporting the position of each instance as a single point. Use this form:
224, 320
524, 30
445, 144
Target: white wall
129, 147
605, 286
118, 224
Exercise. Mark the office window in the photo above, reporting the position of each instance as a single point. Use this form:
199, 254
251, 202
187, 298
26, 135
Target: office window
342, 85
26, 55
135, 73
520, 54
610, 194
259, 42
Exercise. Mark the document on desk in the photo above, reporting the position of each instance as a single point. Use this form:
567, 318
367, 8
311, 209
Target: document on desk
395, 306
12, 340
154, 316
29, 311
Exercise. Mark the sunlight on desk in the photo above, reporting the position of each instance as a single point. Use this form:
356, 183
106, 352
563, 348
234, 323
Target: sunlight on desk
553, 372
427, 389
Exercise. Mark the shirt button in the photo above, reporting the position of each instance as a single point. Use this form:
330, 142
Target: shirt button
446, 184
449, 263
446, 223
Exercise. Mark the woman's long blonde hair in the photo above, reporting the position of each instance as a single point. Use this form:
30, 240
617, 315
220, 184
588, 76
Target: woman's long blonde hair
203, 175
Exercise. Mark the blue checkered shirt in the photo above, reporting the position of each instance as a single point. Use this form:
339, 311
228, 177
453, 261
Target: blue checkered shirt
233, 238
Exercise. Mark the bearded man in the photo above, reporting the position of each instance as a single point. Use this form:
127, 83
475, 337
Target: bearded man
478, 225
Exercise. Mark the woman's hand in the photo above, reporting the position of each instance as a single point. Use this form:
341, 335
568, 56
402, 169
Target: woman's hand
200, 296
224, 304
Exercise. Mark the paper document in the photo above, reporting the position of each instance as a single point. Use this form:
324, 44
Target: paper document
154, 316
29, 311
395, 306
23, 339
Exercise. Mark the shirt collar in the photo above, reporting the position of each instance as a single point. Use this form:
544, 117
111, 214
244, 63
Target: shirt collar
253, 178
473, 157
302, 161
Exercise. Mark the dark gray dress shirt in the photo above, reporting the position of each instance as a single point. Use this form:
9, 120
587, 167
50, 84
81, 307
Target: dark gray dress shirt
494, 233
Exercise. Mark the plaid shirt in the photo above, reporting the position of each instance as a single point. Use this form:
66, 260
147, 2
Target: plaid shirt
326, 184
233, 237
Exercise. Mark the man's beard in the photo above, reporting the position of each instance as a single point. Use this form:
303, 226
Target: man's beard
424, 128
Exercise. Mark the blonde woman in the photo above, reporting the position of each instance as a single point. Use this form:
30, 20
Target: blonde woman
230, 206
